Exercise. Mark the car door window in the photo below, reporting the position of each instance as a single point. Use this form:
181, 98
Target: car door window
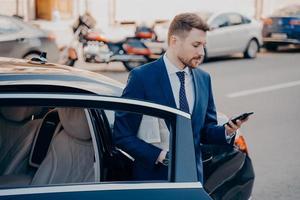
220, 21
7, 27
235, 19
46, 146
246, 20
65, 133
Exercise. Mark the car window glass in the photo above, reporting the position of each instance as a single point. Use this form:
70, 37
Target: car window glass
220, 21
45, 146
6, 26
246, 20
79, 138
235, 19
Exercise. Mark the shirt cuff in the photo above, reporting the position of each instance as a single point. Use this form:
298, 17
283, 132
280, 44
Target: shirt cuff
229, 137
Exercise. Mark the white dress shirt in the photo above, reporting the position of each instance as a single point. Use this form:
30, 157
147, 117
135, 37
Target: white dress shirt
175, 83
189, 86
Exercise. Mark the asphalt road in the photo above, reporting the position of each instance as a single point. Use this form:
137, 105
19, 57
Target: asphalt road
270, 87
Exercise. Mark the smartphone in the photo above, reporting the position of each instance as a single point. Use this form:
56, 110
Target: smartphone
240, 117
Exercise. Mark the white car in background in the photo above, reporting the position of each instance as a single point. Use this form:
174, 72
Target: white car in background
230, 33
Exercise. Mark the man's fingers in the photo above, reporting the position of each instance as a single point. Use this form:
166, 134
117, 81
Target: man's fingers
239, 123
232, 125
229, 129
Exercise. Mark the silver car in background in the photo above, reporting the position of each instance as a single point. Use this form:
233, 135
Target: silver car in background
232, 33
19, 39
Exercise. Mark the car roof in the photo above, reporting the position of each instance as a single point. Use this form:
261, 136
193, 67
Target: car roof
28, 76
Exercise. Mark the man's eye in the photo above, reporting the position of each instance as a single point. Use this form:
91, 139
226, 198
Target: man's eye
196, 46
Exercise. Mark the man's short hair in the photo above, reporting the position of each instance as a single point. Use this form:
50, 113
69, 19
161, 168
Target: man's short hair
184, 23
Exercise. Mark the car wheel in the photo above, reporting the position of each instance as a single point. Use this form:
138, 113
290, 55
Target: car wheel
252, 49
31, 55
271, 47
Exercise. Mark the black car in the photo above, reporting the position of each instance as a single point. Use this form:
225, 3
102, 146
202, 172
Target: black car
282, 28
55, 141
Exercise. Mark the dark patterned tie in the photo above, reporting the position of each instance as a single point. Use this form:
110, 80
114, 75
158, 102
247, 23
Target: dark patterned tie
183, 103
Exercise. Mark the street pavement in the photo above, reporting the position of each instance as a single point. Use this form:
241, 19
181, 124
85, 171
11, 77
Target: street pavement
270, 87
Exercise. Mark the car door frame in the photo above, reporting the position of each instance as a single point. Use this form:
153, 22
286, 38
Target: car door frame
182, 182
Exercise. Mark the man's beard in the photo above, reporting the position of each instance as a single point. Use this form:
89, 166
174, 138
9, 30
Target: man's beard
193, 62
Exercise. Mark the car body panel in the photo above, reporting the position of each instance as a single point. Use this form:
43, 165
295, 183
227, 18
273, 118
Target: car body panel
22, 72
113, 191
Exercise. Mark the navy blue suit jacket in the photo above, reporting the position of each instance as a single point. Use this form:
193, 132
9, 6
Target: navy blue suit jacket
151, 82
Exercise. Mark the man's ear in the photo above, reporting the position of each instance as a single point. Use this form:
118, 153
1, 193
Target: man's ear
173, 40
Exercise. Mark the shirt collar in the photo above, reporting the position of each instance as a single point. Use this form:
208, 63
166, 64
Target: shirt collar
172, 69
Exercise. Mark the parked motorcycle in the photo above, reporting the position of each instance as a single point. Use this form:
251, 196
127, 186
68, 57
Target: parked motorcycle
132, 51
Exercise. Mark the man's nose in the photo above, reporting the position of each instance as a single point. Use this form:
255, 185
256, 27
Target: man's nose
201, 51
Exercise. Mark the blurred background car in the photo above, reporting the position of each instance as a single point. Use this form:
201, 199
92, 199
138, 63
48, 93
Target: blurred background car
282, 28
232, 33
19, 39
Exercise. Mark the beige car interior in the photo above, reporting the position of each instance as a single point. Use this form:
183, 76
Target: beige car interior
69, 154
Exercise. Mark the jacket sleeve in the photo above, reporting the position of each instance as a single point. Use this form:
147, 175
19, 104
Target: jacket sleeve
212, 133
126, 126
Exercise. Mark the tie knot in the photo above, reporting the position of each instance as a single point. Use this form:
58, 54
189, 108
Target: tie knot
180, 76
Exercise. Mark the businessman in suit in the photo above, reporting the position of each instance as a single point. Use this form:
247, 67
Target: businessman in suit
176, 81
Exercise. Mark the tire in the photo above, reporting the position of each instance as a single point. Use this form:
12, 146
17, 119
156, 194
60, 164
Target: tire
252, 49
271, 47
130, 65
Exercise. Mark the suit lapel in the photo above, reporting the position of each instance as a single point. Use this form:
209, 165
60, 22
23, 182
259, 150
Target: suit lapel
165, 84
197, 89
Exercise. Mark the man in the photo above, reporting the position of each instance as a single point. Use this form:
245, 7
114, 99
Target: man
173, 80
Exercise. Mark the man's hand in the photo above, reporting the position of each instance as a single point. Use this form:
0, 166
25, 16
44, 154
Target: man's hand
232, 128
161, 156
